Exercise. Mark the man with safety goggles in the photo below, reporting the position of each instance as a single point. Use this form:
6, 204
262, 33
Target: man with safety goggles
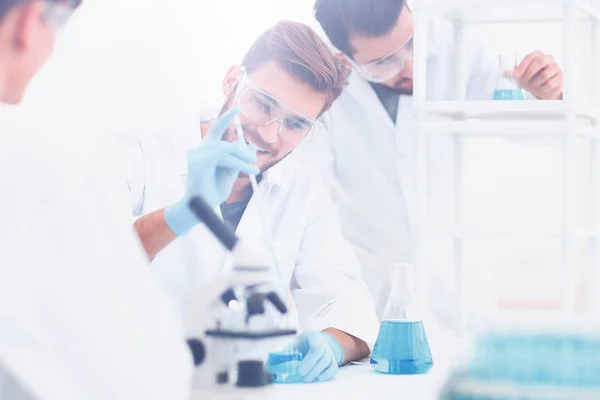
382, 69
367, 155
287, 80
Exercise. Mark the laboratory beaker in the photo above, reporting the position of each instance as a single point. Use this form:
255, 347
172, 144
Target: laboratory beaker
402, 347
282, 364
507, 87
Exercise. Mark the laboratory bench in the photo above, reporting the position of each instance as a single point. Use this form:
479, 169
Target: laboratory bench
357, 381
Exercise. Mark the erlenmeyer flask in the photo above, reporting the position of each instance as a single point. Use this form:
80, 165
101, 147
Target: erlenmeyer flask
402, 347
507, 88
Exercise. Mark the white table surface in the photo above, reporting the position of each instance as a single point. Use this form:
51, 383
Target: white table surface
352, 382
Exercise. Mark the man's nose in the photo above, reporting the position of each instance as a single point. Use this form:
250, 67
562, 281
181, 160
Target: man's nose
270, 133
407, 69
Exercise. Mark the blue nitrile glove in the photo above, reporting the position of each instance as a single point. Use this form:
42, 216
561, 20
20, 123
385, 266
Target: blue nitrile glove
213, 168
322, 355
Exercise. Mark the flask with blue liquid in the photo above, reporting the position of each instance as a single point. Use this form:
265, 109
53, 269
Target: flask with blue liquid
507, 87
402, 347
282, 364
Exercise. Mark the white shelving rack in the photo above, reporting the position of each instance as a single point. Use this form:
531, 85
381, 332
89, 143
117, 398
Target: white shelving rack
566, 119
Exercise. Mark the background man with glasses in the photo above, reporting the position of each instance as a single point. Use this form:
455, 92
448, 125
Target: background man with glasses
367, 155
81, 316
287, 80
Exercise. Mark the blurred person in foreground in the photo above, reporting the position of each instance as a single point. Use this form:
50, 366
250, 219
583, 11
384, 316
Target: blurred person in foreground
81, 315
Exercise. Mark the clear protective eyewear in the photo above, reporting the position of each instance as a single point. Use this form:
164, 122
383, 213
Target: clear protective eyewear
388, 66
58, 12
263, 109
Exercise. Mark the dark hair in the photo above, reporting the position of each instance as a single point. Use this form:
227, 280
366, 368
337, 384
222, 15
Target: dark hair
7, 5
342, 18
300, 51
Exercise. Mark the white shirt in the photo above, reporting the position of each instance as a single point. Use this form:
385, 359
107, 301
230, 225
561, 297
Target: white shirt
314, 259
81, 315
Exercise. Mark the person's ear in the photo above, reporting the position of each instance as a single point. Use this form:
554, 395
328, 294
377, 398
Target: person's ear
231, 80
26, 17
343, 59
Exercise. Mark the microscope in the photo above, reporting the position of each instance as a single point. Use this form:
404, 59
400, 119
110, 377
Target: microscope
233, 323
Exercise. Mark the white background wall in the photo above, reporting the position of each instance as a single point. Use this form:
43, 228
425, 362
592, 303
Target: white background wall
153, 65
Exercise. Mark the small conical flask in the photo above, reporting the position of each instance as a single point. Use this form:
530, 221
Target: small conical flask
402, 347
507, 87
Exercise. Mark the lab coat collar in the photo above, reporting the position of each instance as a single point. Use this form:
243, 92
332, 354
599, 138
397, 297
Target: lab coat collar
277, 176
360, 89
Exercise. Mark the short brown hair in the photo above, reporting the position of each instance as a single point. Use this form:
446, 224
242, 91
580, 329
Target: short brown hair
300, 51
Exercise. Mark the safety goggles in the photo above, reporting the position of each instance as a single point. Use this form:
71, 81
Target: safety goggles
388, 66
263, 109
58, 12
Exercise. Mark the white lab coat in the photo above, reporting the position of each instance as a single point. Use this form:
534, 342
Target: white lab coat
314, 259
369, 163
81, 315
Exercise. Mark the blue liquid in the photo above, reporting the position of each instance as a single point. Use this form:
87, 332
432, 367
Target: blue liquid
538, 359
402, 349
283, 367
508, 94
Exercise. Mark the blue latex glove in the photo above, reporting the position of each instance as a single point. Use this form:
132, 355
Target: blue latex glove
322, 356
213, 168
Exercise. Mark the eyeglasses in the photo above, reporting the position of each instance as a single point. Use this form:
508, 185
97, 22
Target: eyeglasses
263, 109
58, 12
388, 66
